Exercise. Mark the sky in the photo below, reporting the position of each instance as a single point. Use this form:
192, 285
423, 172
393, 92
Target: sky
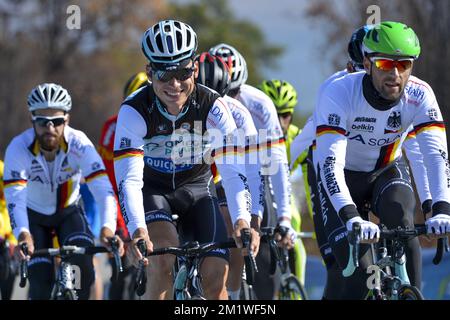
283, 23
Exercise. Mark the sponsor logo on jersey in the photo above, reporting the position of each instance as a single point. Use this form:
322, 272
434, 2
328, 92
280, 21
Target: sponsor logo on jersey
166, 165
76, 146
15, 174
433, 114
186, 126
363, 127
415, 92
125, 143
447, 166
365, 119
334, 119
330, 178
394, 122
12, 219
37, 179
373, 142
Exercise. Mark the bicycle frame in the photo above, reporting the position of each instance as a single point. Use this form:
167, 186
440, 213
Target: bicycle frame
187, 281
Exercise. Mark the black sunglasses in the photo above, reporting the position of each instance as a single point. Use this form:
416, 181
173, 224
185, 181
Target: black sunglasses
179, 74
45, 121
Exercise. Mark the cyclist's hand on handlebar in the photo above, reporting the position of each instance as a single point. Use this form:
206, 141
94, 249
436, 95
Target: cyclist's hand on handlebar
287, 239
438, 226
255, 238
139, 234
370, 232
106, 235
24, 237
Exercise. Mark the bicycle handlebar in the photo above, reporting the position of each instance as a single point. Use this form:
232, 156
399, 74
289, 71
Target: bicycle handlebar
141, 275
398, 234
61, 251
23, 266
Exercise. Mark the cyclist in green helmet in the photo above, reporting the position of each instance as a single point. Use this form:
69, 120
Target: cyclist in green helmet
361, 121
284, 97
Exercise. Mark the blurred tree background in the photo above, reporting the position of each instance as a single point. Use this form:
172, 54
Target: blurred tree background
94, 62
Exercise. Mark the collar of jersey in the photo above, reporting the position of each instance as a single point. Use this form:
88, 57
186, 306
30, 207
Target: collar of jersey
374, 98
35, 149
163, 110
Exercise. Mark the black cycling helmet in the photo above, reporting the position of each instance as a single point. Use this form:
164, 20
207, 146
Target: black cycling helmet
213, 72
354, 49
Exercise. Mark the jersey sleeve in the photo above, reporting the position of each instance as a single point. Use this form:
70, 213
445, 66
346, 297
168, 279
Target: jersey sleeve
15, 188
274, 161
429, 129
244, 122
129, 166
415, 157
331, 144
99, 185
228, 154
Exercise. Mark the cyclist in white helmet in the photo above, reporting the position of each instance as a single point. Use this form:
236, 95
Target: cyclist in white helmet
43, 169
157, 179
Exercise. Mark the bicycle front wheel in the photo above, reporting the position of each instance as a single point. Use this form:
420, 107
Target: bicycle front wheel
408, 292
292, 290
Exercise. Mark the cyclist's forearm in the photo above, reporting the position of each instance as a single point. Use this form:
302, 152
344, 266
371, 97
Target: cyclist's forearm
104, 196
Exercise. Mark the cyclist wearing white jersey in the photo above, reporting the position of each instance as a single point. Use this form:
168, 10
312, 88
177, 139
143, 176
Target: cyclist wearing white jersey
272, 153
43, 168
161, 167
361, 121
215, 74
270, 133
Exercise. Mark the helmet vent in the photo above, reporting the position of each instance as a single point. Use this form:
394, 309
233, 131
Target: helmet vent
169, 44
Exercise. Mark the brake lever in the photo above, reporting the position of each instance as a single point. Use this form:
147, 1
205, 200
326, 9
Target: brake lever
23, 266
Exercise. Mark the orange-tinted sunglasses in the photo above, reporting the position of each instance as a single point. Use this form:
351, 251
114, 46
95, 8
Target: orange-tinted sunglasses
386, 64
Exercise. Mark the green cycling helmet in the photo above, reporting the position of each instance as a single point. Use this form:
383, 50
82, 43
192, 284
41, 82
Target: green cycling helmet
282, 93
393, 38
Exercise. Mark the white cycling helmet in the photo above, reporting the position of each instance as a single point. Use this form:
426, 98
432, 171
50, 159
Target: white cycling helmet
169, 42
49, 96
235, 61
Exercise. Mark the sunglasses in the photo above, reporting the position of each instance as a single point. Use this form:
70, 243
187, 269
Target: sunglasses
386, 64
179, 74
46, 121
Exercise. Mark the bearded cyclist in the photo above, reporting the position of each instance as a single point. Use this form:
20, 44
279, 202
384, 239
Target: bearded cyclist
160, 172
43, 169
387, 99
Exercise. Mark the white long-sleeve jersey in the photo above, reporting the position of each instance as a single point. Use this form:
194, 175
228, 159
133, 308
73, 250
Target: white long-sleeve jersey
28, 182
272, 149
306, 138
351, 134
243, 120
152, 146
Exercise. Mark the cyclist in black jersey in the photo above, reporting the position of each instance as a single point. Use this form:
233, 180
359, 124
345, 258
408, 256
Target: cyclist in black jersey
167, 133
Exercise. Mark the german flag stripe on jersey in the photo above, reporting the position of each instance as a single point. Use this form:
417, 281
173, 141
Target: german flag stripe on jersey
427, 126
63, 194
324, 129
387, 154
271, 143
226, 151
126, 153
95, 174
14, 182
411, 135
